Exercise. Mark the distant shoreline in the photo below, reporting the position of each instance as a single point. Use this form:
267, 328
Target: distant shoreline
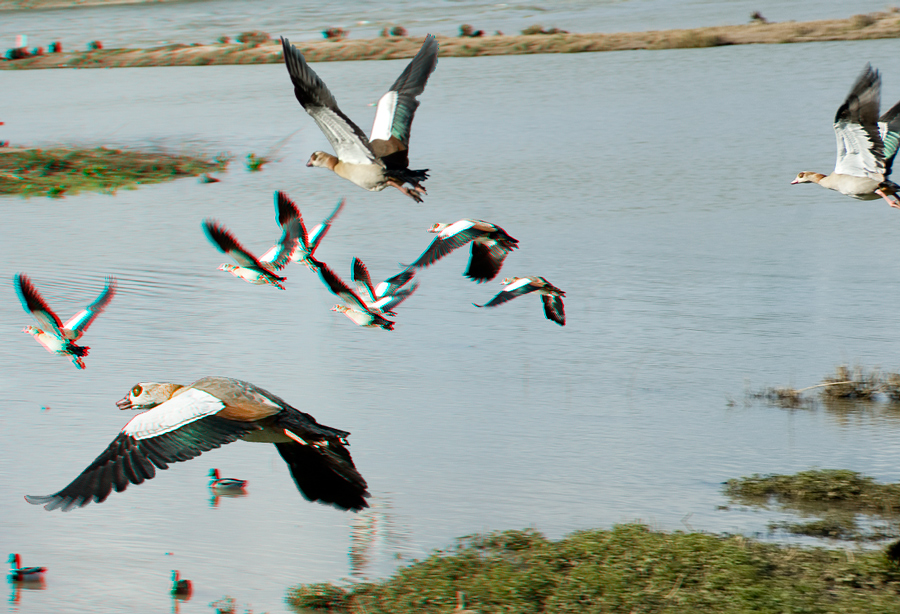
857, 27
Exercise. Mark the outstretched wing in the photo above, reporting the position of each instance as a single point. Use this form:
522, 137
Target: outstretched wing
318, 233
325, 473
451, 238
177, 430
392, 284
339, 287
349, 142
889, 128
396, 109
487, 259
390, 301
34, 303
860, 151
360, 275
81, 321
513, 290
288, 217
222, 238
554, 309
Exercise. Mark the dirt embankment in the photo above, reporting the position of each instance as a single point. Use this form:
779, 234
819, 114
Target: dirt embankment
858, 27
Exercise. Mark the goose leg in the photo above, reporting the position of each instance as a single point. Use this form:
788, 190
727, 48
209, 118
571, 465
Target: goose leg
413, 194
891, 199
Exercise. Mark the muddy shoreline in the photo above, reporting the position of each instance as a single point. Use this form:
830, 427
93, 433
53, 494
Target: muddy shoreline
857, 27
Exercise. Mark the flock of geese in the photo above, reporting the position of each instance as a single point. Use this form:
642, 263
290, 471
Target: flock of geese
181, 422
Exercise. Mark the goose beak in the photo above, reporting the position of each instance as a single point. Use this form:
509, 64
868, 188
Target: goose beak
124, 404
308, 164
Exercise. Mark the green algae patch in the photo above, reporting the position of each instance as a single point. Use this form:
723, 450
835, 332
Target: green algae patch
59, 171
844, 504
628, 569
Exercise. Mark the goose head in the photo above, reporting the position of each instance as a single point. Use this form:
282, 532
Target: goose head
322, 159
32, 330
807, 177
14, 561
340, 308
147, 395
227, 267
438, 227
509, 280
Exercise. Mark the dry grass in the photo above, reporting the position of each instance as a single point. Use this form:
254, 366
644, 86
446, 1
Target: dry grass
846, 384
262, 51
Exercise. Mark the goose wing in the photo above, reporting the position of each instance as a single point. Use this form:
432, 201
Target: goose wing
390, 285
889, 129
517, 288
289, 219
177, 430
860, 151
340, 288
34, 303
349, 142
79, 323
449, 239
554, 309
224, 240
318, 233
387, 303
360, 275
487, 259
396, 109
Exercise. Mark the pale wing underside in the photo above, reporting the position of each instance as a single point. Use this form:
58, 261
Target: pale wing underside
183, 409
856, 147
81, 321
318, 233
349, 142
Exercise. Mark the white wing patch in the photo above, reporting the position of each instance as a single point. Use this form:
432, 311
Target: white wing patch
384, 116
456, 228
347, 145
185, 408
517, 284
854, 152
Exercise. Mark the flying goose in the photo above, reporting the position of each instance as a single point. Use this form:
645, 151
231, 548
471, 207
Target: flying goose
518, 286
866, 145
17, 573
359, 312
379, 161
261, 271
181, 422
308, 243
220, 484
56, 337
490, 246
387, 294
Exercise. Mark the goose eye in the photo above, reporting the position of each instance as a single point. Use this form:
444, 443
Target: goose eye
136, 391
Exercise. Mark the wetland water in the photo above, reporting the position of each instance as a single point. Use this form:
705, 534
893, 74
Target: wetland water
652, 186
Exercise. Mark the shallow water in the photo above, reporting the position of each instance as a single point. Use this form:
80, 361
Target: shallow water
652, 186
204, 21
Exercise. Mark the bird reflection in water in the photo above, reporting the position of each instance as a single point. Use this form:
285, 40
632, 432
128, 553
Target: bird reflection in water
215, 496
376, 537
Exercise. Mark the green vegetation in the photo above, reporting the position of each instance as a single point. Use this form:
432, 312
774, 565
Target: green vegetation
58, 171
628, 569
255, 163
838, 498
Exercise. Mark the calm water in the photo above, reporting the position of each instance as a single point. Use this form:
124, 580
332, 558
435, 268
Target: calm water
205, 21
652, 186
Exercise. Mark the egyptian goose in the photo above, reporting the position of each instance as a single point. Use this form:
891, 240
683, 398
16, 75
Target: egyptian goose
386, 295
219, 484
184, 421
259, 271
308, 243
17, 573
490, 246
180, 587
56, 337
866, 145
379, 161
359, 312
550, 294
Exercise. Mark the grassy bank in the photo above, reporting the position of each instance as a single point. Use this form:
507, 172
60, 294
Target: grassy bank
871, 26
630, 569
59, 171
846, 384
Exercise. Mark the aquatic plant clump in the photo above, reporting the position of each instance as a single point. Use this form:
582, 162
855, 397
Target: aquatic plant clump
59, 171
629, 568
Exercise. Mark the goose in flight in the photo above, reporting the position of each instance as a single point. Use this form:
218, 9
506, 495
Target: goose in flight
519, 286
381, 160
490, 246
308, 243
866, 145
181, 422
260, 271
358, 311
387, 294
58, 337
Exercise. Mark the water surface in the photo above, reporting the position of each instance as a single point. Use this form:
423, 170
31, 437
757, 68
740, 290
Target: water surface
652, 186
